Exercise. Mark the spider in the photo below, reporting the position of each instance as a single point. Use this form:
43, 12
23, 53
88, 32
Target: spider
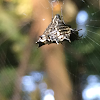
57, 31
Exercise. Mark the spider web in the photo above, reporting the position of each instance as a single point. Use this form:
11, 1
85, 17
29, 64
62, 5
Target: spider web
91, 42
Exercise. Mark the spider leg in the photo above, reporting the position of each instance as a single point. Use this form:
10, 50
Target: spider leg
68, 39
79, 29
52, 10
52, 13
62, 16
61, 13
57, 42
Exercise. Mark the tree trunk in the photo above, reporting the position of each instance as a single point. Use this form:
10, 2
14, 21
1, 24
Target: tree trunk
57, 72
54, 56
22, 68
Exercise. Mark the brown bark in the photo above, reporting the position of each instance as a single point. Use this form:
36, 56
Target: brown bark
21, 71
22, 68
56, 70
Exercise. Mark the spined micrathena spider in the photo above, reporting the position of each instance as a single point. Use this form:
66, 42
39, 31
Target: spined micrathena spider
57, 32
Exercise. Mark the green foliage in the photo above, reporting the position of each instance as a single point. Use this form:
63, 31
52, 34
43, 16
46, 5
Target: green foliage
12, 42
7, 76
85, 53
8, 25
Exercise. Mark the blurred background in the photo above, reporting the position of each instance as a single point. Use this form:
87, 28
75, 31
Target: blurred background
68, 71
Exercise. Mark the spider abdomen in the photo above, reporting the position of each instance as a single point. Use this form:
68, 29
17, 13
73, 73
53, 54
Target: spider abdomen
57, 32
